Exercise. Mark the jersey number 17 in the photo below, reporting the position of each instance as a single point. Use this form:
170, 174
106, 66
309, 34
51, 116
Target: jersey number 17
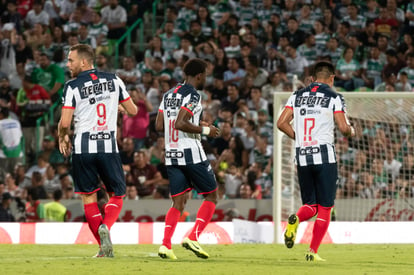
308, 127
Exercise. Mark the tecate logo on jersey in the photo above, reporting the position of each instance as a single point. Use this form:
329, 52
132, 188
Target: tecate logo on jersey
173, 102
97, 88
323, 101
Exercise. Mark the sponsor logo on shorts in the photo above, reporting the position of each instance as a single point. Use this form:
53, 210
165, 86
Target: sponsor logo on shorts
309, 150
174, 154
100, 135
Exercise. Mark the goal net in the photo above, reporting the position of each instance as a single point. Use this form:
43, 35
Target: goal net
375, 168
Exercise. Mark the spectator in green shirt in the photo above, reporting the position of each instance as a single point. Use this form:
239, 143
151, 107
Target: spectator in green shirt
49, 76
55, 211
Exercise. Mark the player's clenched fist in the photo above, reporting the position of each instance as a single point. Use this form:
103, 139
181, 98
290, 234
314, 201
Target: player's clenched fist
211, 131
214, 131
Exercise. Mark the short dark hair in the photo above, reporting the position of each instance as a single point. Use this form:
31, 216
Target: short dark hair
253, 60
252, 124
391, 52
173, 9
4, 111
194, 67
84, 50
256, 88
57, 194
292, 17
195, 21
234, 86
45, 55
159, 59
33, 192
346, 24
323, 69
353, 5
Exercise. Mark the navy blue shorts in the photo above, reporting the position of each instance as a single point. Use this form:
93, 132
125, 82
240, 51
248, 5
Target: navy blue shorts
89, 168
318, 184
198, 176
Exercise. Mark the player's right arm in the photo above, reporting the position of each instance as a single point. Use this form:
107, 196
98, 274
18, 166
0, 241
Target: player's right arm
65, 121
183, 124
63, 131
159, 121
283, 123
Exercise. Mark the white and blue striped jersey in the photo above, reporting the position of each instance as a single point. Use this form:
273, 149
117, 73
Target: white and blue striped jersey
182, 148
314, 124
95, 97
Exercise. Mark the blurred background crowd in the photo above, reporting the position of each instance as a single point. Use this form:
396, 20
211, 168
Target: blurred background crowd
253, 48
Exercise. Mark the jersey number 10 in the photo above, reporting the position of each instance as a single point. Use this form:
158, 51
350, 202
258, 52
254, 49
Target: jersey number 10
173, 133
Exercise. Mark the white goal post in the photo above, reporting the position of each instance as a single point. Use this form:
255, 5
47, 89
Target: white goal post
372, 168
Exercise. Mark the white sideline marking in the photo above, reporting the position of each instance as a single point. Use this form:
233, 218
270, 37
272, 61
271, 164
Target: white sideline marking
57, 258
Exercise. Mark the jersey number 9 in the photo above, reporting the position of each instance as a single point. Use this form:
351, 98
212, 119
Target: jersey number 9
101, 112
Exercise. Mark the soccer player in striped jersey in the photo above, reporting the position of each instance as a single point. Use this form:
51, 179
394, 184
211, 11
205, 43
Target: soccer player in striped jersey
179, 116
314, 110
93, 98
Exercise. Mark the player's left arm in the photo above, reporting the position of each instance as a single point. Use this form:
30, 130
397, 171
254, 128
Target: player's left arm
283, 123
183, 124
344, 125
341, 118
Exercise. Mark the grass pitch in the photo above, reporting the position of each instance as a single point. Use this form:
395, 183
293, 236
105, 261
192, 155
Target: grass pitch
224, 259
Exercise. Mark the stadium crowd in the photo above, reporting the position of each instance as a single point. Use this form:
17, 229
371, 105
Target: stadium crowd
253, 48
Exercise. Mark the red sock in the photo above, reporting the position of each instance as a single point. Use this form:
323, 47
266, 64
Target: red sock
306, 212
112, 210
204, 215
320, 227
171, 220
94, 218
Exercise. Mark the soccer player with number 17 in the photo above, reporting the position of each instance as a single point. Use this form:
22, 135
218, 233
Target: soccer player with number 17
179, 116
315, 109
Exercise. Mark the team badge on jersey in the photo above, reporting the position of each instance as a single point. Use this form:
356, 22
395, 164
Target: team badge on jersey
93, 76
192, 104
